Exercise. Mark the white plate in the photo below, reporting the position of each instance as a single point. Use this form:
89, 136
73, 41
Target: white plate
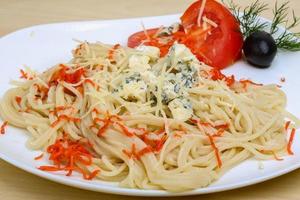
43, 46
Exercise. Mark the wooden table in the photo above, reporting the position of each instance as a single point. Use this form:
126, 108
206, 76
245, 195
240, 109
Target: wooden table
16, 184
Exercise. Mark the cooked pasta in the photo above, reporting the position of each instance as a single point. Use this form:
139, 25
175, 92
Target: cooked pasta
170, 123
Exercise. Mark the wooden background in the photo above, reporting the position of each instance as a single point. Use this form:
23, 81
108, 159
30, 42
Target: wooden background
16, 184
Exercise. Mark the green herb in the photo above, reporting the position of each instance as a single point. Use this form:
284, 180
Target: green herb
250, 23
249, 16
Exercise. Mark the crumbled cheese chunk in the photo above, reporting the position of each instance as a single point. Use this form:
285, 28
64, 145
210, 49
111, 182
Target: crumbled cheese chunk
181, 109
150, 78
151, 51
133, 88
139, 63
179, 53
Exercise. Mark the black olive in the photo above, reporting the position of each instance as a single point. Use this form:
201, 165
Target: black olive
260, 49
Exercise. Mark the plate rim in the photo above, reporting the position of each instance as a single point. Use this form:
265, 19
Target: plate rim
108, 189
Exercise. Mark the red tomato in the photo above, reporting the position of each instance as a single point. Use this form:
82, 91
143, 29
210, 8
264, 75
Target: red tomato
140, 37
137, 38
218, 47
223, 46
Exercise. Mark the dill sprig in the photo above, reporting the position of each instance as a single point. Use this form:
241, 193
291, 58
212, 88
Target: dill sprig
250, 23
249, 16
287, 40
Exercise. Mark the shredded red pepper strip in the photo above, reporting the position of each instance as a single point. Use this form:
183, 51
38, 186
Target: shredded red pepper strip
144, 151
245, 82
276, 157
39, 156
217, 152
212, 142
133, 153
3, 126
125, 130
92, 83
291, 139
49, 168
23, 74
160, 143
96, 111
287, 124
107, 121
18, 100
112, 51
65, 153
65, 117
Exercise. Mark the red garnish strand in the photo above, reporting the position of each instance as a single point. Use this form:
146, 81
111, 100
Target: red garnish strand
144, 151
246, 82
215, 148
290, 143
282, 79
92, 83
43, 90
49, 168
160, 131
207, 124
65, 153
182, 128
276, 157
24, 75
61, 108
216, 74
125, 130
177, 135
219, 133
65, 117
102, 130
222, 126
39, 156
3, 126
93, 175
62, 75
211, 139
95, 110
107, 122
287, 124
160, 143
230, 80
98, 120
273, 153
132, 153
111, 52
195, 121
18, 100
78, 49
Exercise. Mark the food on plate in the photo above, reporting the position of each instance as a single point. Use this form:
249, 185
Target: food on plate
215, 35
130, 116
207, 28
263, 38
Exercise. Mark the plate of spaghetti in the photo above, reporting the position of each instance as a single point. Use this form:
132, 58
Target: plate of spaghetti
152, 115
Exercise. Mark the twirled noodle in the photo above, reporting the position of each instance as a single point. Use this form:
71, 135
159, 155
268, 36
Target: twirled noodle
154, 100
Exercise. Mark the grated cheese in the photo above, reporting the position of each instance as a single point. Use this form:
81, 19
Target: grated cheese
201, 10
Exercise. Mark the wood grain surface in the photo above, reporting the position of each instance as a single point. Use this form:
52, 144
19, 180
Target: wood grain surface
16, 184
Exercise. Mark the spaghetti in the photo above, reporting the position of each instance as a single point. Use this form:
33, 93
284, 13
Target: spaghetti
126, 115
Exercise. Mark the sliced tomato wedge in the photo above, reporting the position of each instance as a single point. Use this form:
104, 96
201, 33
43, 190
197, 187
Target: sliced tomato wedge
150, 38
218, 46
222, 47
137, 38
